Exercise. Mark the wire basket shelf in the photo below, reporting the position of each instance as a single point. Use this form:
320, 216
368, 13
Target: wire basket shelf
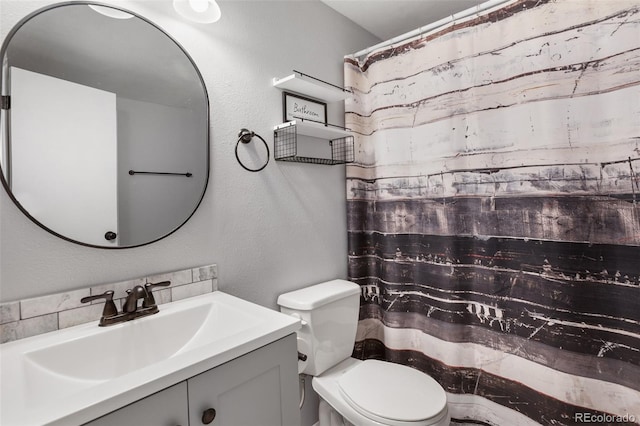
286, 147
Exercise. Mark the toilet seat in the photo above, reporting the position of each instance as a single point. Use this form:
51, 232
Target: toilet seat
393, 394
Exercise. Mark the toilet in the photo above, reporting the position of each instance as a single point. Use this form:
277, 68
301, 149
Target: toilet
352, 391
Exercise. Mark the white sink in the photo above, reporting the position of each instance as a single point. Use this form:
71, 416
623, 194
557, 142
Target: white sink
112, 351
80, 373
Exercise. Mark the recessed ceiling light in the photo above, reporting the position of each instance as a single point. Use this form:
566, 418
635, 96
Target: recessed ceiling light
202, 11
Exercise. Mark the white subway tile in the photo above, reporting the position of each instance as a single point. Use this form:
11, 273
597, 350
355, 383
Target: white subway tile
190, 290
52, 303
9, 312
39, 315
205, 273
82, 315
177, 278
162, 296
28, 327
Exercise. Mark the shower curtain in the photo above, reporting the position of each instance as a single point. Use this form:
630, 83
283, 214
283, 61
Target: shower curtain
493, 210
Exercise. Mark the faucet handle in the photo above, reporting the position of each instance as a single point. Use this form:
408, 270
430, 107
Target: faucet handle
110, 309
150, 300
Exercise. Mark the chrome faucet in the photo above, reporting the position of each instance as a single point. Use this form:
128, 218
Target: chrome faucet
130, 309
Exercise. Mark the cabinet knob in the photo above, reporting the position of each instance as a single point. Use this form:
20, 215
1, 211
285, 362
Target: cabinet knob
208, 415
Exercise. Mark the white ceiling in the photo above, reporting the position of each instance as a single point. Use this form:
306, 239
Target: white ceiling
390, 18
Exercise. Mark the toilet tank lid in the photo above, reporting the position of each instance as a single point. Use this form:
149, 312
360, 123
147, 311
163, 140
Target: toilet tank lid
317, 295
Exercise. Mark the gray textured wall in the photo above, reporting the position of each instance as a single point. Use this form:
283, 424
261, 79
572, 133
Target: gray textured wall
269, 232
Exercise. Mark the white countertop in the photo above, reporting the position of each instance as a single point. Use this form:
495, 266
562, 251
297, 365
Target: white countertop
42, 384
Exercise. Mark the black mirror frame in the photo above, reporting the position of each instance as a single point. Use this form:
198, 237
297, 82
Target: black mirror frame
5, 184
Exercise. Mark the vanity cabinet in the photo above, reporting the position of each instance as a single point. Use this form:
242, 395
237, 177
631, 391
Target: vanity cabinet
165, 408
259, 388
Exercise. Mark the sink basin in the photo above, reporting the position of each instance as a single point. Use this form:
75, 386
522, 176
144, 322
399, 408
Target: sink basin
77, 374
113, 351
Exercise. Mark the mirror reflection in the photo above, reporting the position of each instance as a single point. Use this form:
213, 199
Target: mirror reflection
89, 95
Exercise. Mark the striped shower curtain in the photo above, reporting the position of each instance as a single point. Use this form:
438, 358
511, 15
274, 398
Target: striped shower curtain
494, 210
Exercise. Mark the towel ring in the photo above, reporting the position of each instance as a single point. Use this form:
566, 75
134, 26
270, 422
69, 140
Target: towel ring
245, 136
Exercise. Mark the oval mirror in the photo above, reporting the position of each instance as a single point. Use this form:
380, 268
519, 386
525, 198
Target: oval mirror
105, 126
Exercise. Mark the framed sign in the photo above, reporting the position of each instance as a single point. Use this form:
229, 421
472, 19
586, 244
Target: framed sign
296, 106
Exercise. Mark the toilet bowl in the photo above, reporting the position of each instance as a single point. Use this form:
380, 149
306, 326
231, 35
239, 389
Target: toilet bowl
355, 392
375, 393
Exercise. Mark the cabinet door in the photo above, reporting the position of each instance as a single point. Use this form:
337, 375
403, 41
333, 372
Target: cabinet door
256, 389
165, 408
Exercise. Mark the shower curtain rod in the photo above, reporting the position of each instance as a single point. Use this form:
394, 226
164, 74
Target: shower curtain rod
430, 27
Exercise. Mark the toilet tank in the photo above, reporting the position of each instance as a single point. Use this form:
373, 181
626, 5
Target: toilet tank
329, 314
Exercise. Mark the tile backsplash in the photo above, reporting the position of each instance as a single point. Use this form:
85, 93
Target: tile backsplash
29, 317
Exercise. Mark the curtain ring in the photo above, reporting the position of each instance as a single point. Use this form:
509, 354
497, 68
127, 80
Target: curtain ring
245, 136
